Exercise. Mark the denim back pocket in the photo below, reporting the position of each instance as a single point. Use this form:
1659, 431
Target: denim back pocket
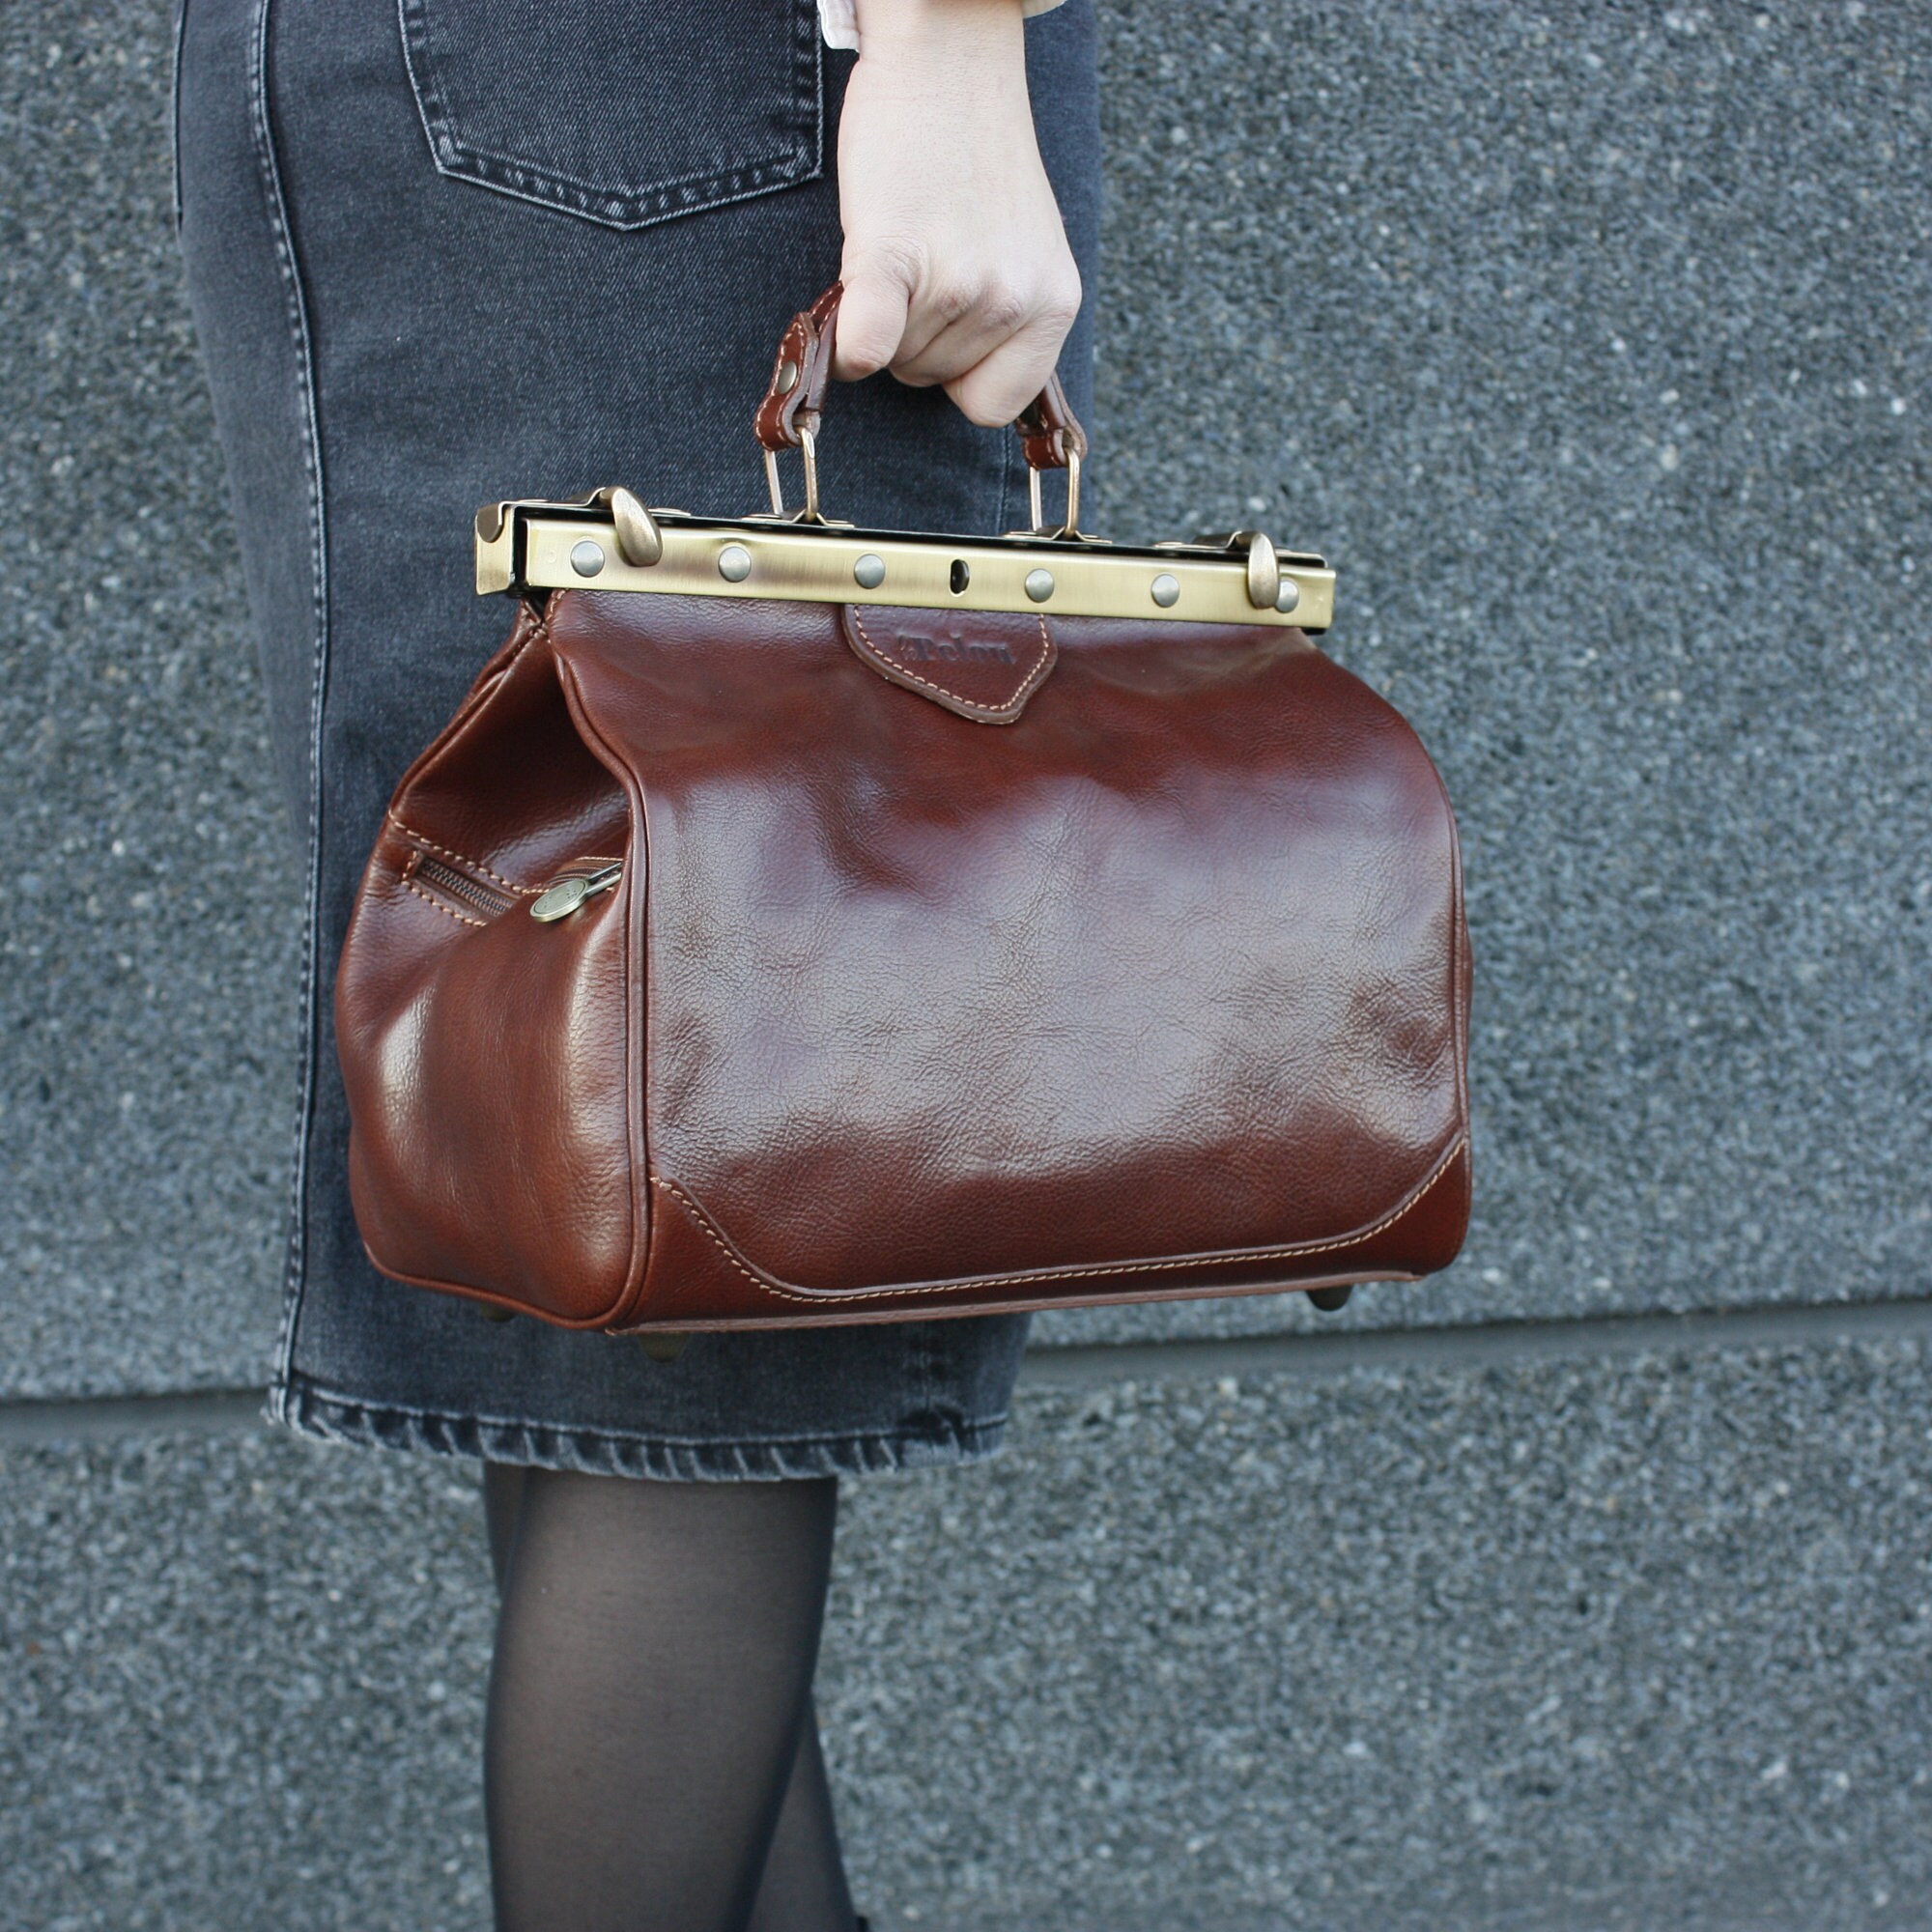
624, 115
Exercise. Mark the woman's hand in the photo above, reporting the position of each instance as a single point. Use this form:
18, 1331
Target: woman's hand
956, 267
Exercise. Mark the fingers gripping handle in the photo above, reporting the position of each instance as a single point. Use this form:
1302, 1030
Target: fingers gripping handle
793, 404
1049, 432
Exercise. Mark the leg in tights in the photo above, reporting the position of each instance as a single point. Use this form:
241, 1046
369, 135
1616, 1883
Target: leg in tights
651, 1761
804, 1883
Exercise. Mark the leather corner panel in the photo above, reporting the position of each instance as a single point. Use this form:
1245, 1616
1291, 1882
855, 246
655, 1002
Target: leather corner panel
984, 665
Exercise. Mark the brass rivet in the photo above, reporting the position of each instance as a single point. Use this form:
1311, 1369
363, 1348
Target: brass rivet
734, 563
1166, 590
586, 559
869, 572
1039, 585
786, 379
1289, 595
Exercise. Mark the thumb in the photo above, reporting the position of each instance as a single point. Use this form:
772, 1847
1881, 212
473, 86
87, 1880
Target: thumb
871, 320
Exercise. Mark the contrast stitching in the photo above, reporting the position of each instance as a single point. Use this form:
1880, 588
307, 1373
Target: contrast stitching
648, 216
819, 1297
1011, 704
626, 208
462, 918
314, 1393
588, 195
296, 313
463, 859
174, 108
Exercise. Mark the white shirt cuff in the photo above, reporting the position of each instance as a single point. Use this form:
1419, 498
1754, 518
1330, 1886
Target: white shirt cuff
839, 19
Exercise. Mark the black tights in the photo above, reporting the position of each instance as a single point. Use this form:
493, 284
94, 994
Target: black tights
651, 1762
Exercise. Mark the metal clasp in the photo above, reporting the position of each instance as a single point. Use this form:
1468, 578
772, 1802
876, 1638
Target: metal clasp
1266, 586
499, 564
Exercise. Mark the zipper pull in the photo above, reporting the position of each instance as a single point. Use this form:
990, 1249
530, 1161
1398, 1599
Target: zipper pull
563, 895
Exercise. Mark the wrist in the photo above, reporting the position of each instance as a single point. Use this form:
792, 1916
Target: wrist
897, 30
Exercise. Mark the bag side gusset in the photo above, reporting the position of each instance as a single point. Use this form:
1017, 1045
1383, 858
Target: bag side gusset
489, 1058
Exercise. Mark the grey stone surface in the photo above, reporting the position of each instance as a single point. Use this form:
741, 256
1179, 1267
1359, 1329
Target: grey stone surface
1592, 343
241, 1689
149, 919
1565, 1647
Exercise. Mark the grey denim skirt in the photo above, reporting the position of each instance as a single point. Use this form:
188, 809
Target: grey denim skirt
442, 251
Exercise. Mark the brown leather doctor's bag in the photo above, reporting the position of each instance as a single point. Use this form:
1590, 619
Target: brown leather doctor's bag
800, 924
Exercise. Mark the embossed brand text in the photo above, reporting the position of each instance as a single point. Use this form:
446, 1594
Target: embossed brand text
916, 649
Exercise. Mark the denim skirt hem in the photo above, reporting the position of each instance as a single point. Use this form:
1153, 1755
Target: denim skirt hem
298, 1405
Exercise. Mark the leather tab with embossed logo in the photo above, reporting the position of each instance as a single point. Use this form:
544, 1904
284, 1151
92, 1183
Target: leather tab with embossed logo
984, 665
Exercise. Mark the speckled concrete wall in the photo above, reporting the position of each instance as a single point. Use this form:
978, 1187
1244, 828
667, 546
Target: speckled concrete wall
1570, 1646
1592, 343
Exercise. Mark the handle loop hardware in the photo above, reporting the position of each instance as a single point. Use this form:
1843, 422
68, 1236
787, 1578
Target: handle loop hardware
1068, 530
809, 511
788, 417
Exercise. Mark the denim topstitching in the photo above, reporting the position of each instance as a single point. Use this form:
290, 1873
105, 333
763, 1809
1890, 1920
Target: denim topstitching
174, 110
622, 209
277, 212
946, 1442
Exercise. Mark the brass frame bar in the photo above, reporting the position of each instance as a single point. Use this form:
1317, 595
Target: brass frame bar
529, 546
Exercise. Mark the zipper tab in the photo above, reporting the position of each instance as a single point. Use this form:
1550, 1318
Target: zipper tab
564, 895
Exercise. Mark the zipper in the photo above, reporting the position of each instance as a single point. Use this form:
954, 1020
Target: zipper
460, 886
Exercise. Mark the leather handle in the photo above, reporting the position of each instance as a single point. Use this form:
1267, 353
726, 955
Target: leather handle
1049, 429
794, 400
800, 372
